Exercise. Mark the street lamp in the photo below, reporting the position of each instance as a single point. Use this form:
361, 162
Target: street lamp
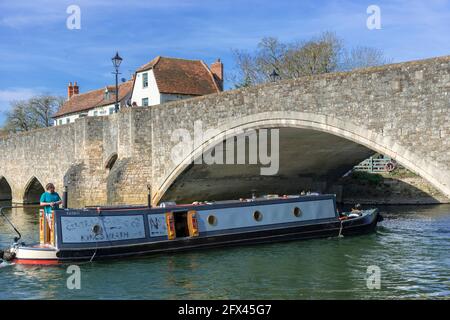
117, 60
274, 76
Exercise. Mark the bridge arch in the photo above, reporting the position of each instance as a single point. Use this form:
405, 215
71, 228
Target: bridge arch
375, 141
5, 189
33, 191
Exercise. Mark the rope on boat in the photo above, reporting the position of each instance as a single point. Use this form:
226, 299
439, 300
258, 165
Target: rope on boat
340, 229
104, 228
95, 252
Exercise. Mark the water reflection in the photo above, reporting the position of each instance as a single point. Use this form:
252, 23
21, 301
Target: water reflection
410, 246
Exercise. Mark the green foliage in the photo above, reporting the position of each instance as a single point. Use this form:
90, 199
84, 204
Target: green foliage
371, 178
400, 172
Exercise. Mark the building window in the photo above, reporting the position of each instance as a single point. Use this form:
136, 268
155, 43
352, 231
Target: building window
68, 120
95, 113
111, 110
145, 80
60, 122
145, 102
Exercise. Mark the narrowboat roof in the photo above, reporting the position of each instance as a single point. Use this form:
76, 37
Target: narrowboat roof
205, 205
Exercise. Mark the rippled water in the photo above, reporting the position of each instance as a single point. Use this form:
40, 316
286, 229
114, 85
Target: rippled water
411, 247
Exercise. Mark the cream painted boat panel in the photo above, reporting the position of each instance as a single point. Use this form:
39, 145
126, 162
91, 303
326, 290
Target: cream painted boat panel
111, 228
241, 217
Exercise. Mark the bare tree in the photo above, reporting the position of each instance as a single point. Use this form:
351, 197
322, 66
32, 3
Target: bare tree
290, 60
19, 117
321, 54
43, 107
316, 56
363, 57
25, 115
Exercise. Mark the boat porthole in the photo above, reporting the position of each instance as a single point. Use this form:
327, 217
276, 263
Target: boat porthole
212, 220
96, 229
257, 215
297, 212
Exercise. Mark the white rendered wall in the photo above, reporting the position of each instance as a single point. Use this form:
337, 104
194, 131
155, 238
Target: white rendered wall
151, 91
100, 111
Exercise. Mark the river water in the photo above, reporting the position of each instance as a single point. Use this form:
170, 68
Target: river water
411, 248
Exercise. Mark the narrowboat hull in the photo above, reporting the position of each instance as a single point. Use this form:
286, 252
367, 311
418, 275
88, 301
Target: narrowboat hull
82, 235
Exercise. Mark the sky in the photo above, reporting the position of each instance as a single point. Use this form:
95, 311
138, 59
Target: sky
39, 54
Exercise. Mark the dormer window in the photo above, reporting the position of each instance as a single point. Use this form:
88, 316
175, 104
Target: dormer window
145, 80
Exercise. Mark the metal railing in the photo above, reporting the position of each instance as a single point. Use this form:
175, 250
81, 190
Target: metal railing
374, 165
2, 213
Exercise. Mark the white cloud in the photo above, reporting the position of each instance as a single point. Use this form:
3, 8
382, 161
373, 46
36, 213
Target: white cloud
31, 20
13, 94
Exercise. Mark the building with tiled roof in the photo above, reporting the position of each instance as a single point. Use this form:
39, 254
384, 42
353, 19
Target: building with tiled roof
159, 81
166, 79
92, 103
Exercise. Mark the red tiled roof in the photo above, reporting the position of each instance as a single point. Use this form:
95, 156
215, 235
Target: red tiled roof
93, 99
181, 76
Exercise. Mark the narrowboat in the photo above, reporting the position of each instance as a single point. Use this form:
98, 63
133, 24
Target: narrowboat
75, 235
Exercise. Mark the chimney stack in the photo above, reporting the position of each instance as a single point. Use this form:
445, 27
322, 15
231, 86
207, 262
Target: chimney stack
69, 91
217, 70
72, 90
76, 89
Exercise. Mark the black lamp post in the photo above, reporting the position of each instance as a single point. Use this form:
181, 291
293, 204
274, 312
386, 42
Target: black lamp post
117, 60
274, 76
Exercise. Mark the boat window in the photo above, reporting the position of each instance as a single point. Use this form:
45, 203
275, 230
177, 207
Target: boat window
297, 212
212, 220
257, 215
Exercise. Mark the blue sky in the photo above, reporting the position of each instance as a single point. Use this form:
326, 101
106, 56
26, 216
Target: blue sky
39, 54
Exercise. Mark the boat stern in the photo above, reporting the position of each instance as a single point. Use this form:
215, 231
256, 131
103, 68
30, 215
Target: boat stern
35, 255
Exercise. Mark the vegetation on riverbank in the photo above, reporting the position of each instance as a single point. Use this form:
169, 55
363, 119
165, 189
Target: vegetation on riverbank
400, 186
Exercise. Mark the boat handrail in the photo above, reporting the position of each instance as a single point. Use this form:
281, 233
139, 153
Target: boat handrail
107, 208
9, 221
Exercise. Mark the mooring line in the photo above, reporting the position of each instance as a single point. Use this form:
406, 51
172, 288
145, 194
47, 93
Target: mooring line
340, 230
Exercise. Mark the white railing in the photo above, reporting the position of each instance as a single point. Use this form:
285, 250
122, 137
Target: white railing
376, 165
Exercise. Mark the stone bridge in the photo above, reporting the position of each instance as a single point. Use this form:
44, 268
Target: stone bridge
326, 123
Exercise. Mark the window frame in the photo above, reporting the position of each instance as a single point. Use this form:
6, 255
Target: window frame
145, 80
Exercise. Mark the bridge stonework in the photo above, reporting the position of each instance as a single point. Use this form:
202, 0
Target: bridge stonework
400, 110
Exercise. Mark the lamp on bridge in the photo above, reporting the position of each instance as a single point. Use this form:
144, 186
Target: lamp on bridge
117, 60
274, 76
